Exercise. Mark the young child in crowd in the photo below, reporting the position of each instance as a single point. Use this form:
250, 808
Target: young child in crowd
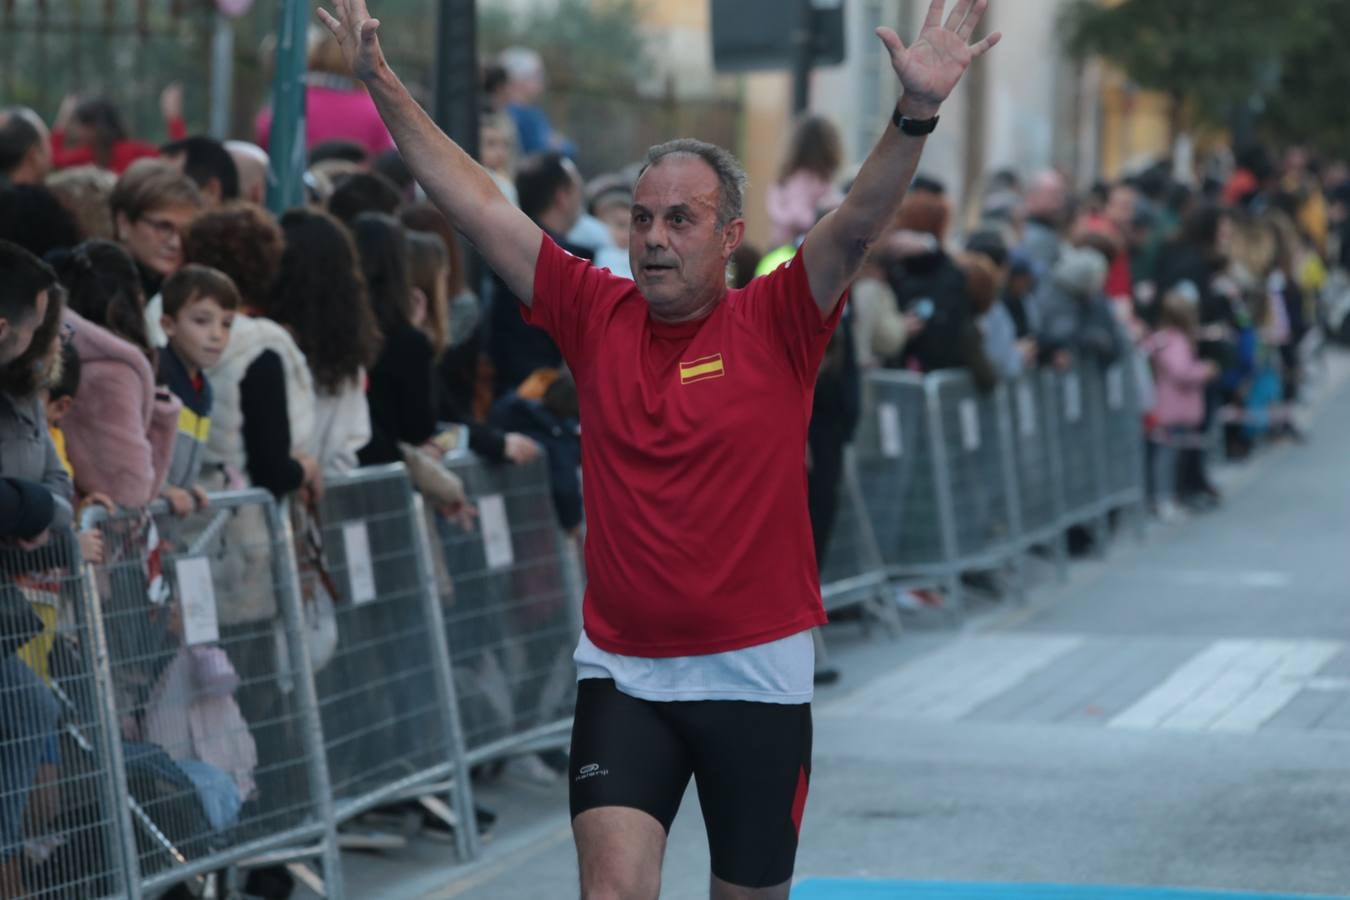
62, 384
199, 308
1180, 376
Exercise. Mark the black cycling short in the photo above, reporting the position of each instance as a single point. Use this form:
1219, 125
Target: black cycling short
750, 761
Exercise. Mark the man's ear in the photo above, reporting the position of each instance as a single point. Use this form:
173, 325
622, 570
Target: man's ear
417, 307
732, 235
63, 405
213, 190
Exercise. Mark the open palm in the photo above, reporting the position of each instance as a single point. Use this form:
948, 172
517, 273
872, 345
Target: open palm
355, 32
931, 67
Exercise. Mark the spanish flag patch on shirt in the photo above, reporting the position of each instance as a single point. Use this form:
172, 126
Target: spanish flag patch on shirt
702, 369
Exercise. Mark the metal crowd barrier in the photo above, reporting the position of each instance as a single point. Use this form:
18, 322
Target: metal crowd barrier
225, 688
63, 822
211, 689
514, 614
956, 481
852, 573
386, 696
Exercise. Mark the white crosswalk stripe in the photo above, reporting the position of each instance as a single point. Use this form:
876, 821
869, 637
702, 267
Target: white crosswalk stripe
1232, 686
951, 682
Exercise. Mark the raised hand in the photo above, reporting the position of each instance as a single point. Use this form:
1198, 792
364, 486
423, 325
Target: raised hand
355, 31
930, 69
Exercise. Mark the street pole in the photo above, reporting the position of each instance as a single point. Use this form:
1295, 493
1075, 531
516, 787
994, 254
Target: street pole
456, 100
803, 54
222, 76
286, 147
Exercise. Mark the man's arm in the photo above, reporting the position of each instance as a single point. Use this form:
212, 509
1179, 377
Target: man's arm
453, 180
928, 72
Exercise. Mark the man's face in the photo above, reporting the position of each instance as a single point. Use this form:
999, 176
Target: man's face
200, 332
36, 163
618, 218
17, 334
156, 238
1120, 208
494, 148
211, 191
678, 254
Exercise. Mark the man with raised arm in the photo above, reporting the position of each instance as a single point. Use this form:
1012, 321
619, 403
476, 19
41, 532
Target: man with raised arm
696, 655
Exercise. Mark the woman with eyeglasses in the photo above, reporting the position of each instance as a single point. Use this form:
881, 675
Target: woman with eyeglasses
152, 206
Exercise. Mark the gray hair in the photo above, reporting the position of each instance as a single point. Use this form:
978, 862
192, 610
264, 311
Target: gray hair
521, 63
730, 175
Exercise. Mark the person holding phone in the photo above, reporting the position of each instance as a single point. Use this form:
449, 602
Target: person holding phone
932, 291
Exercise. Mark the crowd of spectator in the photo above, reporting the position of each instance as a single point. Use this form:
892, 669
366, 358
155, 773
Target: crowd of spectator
163, 336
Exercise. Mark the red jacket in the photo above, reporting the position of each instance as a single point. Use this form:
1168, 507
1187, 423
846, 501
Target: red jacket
124, 152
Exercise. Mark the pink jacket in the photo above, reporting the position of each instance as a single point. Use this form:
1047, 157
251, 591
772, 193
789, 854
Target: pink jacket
119, 436
192, 714
1179, 379
795, 204
332, 114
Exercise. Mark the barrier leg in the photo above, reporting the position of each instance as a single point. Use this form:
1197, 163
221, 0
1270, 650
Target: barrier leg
946, 502
467, 841
122, 836
1012, 491
288, 600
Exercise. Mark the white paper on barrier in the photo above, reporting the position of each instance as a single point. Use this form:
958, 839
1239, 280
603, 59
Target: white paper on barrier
1115, 387
1026, 410
197, 595
360, 565
970, 425
1073, 397
888, 419
496, 531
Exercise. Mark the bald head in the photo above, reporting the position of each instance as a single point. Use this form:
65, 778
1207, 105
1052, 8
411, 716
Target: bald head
25, 146
251, 161
1047, 195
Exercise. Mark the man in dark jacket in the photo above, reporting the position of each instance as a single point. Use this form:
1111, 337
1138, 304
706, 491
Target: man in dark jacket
550, 193
24, 283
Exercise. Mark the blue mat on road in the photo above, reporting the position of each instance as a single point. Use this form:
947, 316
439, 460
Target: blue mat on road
844, 889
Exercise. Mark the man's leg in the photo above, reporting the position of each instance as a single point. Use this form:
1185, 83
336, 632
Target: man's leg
619, 852
752, 765
628, 772
722, 891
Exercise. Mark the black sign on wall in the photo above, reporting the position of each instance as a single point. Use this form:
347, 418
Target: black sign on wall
751, 35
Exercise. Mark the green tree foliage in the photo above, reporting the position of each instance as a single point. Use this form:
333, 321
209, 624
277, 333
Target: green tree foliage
1213, 57
585, 44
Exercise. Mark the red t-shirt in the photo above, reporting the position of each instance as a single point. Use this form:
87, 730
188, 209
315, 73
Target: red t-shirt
693, 457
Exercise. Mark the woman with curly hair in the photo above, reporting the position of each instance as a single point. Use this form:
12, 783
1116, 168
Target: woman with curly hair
120, 430
264, 413
320, 296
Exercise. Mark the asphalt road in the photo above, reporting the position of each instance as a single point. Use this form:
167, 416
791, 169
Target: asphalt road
1177, 713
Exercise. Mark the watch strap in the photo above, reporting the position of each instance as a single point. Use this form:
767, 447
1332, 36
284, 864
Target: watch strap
913, 127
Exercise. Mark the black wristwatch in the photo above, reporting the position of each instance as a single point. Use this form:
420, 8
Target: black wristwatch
913, 127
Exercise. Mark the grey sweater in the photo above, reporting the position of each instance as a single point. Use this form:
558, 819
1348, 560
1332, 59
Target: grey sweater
27, 452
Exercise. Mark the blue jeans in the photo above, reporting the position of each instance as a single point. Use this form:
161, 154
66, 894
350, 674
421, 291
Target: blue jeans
29, 714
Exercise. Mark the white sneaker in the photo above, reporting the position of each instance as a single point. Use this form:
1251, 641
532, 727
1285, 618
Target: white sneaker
915, 600
532, 769
1170, 514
